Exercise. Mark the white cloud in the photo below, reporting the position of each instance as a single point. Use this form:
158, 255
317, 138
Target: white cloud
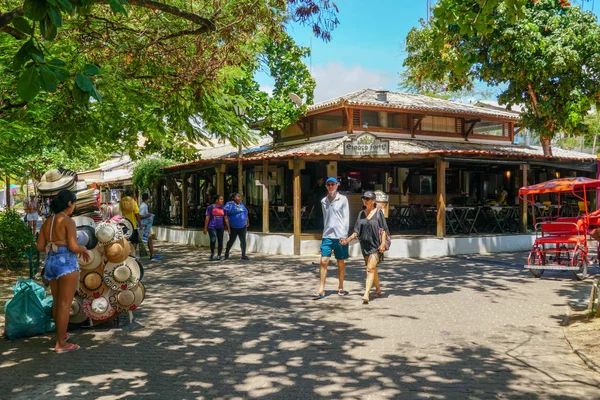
336, 79
266, 88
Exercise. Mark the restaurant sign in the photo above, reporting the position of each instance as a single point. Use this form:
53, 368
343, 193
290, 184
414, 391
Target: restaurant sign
367, 145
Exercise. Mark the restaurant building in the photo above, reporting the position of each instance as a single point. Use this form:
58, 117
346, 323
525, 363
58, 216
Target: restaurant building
395, 143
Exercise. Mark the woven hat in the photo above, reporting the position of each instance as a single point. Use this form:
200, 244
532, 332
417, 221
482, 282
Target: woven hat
118, 251
76, 314
130, 299
81, 186
122, 276
91, 283
99, 308
54, 180
108, 232
84, 221
94, 259
86, 236
51, 193
127, 227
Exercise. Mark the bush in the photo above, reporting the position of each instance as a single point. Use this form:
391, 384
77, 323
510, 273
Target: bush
147, 173
15, 237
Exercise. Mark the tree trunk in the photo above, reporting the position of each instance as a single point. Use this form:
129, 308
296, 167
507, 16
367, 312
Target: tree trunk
546, 146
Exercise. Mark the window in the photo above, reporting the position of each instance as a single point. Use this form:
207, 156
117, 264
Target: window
327, 122
385, 119
438, 124
490, 128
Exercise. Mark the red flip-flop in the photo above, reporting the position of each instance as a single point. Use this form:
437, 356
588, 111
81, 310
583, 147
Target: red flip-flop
67, 336
72, 347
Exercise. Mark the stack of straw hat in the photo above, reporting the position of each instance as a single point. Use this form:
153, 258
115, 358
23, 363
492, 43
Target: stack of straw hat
55, 180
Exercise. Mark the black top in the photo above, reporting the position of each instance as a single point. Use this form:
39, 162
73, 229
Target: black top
368, 231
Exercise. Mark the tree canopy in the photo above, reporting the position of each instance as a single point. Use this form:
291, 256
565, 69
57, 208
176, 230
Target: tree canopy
545, 53
94, 73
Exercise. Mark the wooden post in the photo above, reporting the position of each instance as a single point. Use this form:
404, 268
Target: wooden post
523, 203
265, 197
240, 171
220, 168
441, 195
297, 165
7, 192
185, 208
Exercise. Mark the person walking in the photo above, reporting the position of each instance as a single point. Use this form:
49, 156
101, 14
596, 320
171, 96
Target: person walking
215, 223
368, 229
336, 220
237, 214
131, 211
147, 218
58, 237
31, 209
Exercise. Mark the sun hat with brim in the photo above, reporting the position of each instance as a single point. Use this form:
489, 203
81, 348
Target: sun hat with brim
84, 221
76, 314
81, 186
91, 283
94, 259
99, 308
128, 300
117, 252
127, 227
54, 180
86, 236
122, 276
51, 193
108, 232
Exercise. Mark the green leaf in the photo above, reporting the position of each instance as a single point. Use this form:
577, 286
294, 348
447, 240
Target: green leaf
47, 29
22, 56
80, 96
22, 25
48, 80
54, 14
28, 85
65, 5
53, 2
96, 95
35, 10
90, 69
60, 73
117, 7
84, 82
57, 62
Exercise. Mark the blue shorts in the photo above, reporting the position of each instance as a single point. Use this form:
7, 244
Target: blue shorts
61, 263
333, 245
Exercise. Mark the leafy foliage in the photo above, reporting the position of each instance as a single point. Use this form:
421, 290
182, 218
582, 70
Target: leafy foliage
15, 237
545, 52
147, 172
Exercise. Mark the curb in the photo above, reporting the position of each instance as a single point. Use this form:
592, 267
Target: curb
586, 360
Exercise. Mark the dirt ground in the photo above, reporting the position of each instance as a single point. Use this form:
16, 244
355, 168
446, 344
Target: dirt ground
583, 334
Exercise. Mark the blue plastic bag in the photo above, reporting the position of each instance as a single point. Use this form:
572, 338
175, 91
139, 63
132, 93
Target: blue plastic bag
24, 313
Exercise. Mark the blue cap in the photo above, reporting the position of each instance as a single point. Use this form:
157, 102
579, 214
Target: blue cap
331, 179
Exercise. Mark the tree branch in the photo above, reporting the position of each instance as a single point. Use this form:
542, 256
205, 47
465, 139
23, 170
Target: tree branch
7, 17
13, 32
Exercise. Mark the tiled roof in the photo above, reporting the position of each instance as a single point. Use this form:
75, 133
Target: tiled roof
412, 102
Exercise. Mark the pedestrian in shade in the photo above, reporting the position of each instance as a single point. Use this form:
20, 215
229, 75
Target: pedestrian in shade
336, 216
215, 223
368, 229
237, 214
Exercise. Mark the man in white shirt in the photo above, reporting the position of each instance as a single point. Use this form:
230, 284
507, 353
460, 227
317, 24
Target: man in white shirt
147, 219
336, 221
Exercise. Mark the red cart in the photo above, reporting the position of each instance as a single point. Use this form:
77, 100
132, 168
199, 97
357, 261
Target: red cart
561, 242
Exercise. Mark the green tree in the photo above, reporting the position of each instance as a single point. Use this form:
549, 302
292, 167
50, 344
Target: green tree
545, 53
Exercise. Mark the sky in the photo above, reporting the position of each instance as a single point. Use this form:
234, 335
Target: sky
366, 49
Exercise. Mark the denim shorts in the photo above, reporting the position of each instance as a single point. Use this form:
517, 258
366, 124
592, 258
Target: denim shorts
333, 245
60, 263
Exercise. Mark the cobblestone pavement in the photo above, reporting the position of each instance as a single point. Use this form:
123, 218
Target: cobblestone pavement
453, 328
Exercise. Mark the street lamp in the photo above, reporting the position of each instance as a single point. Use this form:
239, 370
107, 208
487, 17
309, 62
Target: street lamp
239, 111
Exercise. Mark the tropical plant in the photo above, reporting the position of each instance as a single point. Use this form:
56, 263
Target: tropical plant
15, 237
545, 55
147, 173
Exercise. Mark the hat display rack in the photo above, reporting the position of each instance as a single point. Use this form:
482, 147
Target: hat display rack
110, 280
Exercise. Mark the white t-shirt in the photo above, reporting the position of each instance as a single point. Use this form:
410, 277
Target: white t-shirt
336, 217
143, 209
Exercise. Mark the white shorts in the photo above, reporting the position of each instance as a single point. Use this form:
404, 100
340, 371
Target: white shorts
32, 217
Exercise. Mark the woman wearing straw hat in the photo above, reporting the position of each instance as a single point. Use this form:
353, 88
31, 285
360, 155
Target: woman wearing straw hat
367, 229
58, 237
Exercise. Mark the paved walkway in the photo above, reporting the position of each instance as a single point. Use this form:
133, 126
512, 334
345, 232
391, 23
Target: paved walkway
450, 328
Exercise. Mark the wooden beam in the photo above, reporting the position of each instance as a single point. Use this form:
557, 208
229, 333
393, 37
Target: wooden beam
265, 197
522, 203
297, 205
220, 169
470, 128
349, 119
185, 207
292, 163
441, 196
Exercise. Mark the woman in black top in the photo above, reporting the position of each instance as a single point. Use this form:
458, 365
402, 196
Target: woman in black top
368, 225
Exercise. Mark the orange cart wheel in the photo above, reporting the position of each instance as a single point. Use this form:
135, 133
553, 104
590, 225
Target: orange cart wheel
581, 261
537, 258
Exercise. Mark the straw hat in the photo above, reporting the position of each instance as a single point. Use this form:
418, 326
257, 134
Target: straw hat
86, 236
128, 300
92, 284
80, 186
108, 232
127, 227
84, 221
122, 276
76, 314
54, 180
51, 193
99, 308
94, 259
118, 251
